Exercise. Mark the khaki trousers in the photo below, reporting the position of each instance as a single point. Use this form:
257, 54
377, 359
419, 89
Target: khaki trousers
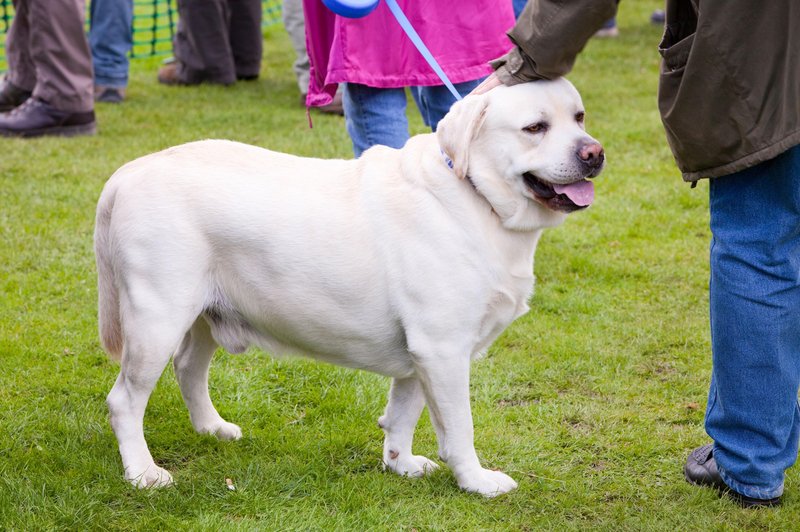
48, 54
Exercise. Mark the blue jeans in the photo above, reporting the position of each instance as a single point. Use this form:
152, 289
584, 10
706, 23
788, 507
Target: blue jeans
111, 39
753, 414
378, 116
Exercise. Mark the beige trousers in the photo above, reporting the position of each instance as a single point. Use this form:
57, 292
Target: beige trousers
48, 54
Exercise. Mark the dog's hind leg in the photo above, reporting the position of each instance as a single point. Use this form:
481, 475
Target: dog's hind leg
144, 358
191, 363
405, 405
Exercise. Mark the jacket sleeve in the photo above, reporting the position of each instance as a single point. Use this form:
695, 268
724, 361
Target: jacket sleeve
548, 37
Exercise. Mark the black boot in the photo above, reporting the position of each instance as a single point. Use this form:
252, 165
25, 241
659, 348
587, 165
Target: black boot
36, 117
701, 470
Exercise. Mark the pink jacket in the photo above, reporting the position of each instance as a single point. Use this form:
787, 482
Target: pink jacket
463, 35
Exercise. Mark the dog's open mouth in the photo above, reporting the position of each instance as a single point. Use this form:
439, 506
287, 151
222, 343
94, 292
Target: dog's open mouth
565, 198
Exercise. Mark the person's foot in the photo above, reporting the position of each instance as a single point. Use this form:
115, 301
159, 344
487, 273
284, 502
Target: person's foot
701, 470
11, 96
106, 94
36, 118
168, 74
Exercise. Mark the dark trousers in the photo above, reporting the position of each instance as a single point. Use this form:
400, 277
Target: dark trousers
218, 40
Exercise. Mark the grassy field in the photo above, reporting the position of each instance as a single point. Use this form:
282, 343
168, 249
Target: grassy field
591, 401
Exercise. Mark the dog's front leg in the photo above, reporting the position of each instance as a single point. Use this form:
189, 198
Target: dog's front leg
445, 382
406, 402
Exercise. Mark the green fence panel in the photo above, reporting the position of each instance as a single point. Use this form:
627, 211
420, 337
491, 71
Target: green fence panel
153, 25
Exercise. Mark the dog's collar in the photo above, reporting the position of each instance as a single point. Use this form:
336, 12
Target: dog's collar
449, 162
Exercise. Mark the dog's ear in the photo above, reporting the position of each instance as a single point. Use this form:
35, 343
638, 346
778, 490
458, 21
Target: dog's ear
459, 127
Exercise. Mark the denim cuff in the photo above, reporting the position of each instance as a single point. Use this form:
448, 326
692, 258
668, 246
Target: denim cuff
747, 490
118, 82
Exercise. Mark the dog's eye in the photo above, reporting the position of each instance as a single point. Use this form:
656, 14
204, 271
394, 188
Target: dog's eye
539, 127
579, 116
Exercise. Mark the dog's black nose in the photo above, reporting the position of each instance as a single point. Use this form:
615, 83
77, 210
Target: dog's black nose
591, 154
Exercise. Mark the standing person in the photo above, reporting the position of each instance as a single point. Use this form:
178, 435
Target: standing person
376, 61
729, 94
111, 40
48, 88
217, 41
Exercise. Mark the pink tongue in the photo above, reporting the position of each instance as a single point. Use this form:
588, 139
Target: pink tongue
581, 193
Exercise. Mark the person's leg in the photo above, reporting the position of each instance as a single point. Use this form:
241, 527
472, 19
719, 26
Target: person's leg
245, 37
202, 44
60, 51
17, 85
21, 70
434, 102
753, 415
62, 100
375, 116
111, 39
295, 26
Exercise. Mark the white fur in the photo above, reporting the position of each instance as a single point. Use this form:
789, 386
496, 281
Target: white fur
389, 263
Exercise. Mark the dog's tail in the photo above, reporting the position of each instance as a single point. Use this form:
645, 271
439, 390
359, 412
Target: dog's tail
107, 292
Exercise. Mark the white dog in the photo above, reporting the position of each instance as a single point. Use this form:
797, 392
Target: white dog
408, 263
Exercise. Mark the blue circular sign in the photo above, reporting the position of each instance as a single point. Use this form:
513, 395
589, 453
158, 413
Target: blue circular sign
351, 8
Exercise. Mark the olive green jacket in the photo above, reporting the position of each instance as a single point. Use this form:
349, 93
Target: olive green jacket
729, 87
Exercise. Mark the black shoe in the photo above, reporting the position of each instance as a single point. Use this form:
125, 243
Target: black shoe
701, 470
36, 117
11, 96
106, 94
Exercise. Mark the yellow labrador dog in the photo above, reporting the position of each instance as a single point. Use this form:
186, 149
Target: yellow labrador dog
408, 263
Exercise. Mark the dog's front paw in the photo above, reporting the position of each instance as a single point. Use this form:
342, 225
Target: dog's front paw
486, 482
150, 477
408, 464
228, 431
222, 430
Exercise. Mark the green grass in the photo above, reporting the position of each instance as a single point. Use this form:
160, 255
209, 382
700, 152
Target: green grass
591, 401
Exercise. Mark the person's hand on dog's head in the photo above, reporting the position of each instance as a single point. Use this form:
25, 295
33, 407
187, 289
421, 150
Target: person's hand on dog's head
488, 84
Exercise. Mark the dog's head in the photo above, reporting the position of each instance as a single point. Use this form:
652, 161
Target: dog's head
526, 150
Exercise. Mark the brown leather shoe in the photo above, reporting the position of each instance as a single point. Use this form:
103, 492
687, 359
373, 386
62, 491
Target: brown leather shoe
36, 118
11, 96
172, 72
168, 74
